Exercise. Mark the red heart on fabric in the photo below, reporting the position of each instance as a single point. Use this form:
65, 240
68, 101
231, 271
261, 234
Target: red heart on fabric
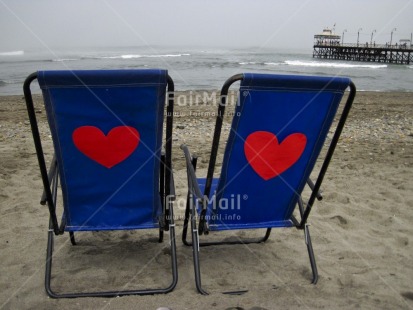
268, 157
108, 150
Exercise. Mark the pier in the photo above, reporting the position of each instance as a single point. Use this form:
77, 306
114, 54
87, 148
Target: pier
328, 46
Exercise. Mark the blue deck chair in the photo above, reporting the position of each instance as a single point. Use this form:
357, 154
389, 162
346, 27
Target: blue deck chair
279, 127
106, 127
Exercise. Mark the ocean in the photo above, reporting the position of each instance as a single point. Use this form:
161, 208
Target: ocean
200, 68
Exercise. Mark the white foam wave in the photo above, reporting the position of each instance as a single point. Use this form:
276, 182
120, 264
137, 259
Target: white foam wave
410, 67
120, 57
132, 56
14, 53
272, 63
331, 64
167, 55
65, 59
247, 63
9, 81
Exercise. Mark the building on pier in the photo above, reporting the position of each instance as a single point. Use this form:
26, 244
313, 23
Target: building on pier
327, 45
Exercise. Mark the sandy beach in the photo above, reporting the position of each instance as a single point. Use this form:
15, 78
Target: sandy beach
361, 231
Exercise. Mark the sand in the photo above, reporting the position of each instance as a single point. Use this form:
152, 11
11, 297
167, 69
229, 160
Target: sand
362, 230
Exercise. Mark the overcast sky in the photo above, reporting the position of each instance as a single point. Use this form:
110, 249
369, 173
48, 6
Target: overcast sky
241, 23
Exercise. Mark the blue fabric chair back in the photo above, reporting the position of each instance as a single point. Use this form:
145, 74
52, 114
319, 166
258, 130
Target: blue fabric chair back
279, 127
106, 127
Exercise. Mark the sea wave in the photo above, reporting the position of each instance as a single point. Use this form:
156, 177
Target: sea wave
13, 53
12, 81
132, 56
219, 64
330, 64
273, 63
247, 63
64, 59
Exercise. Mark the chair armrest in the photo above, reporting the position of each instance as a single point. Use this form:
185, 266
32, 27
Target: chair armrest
196, 191
51, 174
172, 181
172, 186
192, 181
311, 185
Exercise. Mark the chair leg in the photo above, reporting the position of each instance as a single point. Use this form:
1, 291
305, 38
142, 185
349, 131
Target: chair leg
174, 260
49, 258
52, 294
244, 241
311, 254
186, 219
195, 250
72, 237
186, 222
267, 235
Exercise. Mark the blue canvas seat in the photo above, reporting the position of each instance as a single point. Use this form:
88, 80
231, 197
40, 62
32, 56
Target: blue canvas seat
107, 128
279, 128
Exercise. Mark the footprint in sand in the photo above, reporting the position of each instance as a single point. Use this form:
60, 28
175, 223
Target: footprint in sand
341, 220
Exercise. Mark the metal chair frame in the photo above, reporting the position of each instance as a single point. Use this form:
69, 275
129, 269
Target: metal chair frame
195, 192
50, 178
